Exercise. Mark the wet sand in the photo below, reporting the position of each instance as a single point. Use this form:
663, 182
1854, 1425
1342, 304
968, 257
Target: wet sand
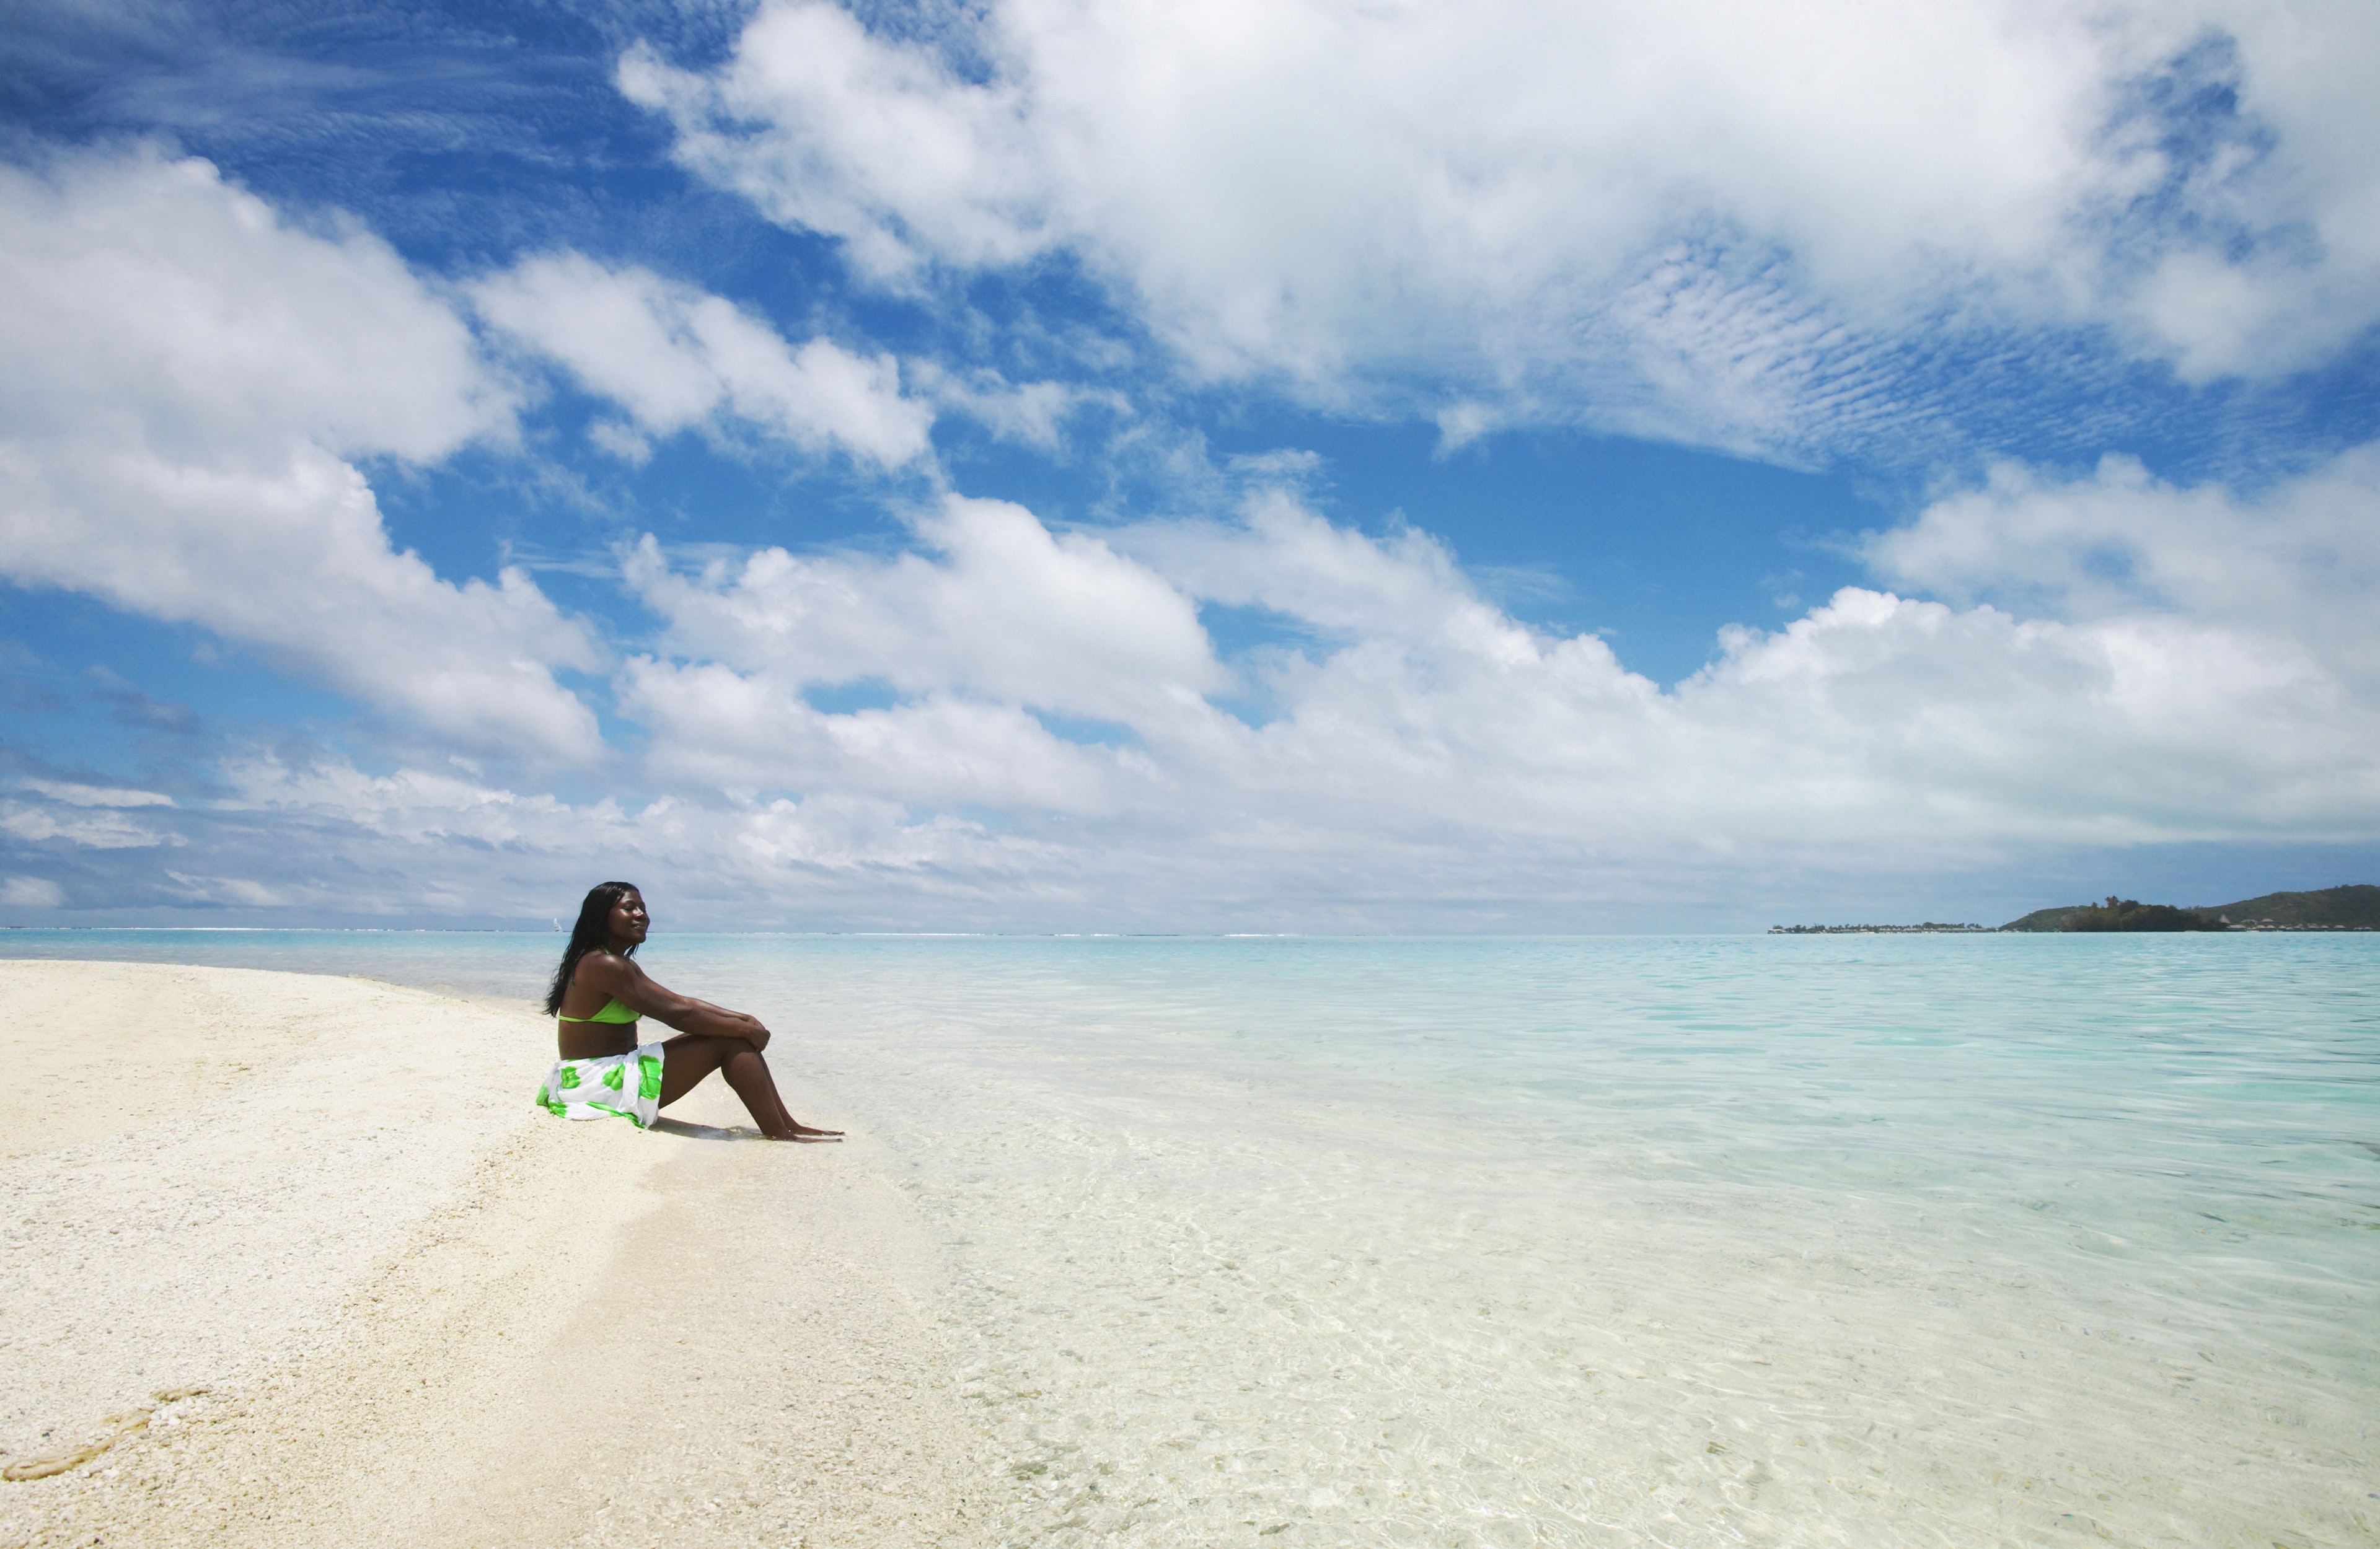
292, 1260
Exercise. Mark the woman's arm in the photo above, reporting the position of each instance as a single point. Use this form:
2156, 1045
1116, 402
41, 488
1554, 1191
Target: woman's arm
629, 985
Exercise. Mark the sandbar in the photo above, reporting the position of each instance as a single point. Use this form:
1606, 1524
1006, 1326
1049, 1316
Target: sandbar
292, 1260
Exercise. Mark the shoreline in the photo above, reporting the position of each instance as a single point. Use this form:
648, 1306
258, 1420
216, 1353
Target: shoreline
1364, 1247
347, 1285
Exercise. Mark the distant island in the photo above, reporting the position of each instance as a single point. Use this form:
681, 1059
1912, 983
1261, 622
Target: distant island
1931, 927
2131, 913
2355, 907
2352, 907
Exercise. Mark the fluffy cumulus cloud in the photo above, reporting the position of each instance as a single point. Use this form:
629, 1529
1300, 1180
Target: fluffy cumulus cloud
752, 732
995, 622
1874, 718
1707, 219
675, 358
1404, 715
1050, 744
2298, 560
995, 603
191, 379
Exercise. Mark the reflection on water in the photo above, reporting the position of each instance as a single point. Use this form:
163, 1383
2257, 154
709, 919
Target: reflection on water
1677, 1241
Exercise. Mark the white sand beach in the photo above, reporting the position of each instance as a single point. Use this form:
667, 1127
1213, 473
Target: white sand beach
293, 1260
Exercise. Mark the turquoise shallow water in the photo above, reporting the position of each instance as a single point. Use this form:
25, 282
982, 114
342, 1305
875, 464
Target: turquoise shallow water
1855, 1239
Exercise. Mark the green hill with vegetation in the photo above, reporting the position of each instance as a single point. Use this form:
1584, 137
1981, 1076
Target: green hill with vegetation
2352, 907
2131, 913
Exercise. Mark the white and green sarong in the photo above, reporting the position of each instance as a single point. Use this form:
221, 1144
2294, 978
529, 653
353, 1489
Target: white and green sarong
616, 1086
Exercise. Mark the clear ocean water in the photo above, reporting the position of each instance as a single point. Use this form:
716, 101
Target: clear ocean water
1615, 1241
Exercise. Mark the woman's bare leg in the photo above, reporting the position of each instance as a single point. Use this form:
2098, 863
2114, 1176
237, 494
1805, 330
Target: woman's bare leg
690, 1056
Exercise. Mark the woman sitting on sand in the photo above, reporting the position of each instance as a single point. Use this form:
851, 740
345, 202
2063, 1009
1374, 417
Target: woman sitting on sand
598, 997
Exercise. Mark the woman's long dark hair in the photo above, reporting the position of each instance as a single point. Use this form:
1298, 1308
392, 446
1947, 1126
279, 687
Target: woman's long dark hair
592, 933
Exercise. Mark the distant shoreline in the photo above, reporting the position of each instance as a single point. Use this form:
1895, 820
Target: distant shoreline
2350, 907
2261, 926
1929, 929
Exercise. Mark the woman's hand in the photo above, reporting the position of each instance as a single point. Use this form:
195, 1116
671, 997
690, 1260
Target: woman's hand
725, 1023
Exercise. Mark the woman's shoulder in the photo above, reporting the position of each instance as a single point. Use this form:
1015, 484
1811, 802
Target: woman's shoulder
602, 964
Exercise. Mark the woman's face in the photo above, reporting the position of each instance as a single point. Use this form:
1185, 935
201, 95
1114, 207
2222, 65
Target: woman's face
628, 925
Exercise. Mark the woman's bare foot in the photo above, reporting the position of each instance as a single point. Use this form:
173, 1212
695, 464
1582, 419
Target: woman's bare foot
805, 1134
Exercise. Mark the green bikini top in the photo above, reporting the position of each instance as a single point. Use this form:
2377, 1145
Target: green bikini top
612, 1011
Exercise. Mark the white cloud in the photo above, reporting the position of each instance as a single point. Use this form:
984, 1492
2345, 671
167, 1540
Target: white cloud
1888, 719
291, 557
2286, 270
1031, 414
2113, 660
752, 733
32, 892
828, 858
1282, 557
149, 302
1418, 714
189, 373
1697, 218
863, 139
1424, 759
2300, 561
240, 892
1874, 718
73, 795
416, 805
675, 358
103, 829
999, 606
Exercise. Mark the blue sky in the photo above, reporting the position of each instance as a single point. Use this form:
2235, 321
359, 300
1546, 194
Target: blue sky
1302, 467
